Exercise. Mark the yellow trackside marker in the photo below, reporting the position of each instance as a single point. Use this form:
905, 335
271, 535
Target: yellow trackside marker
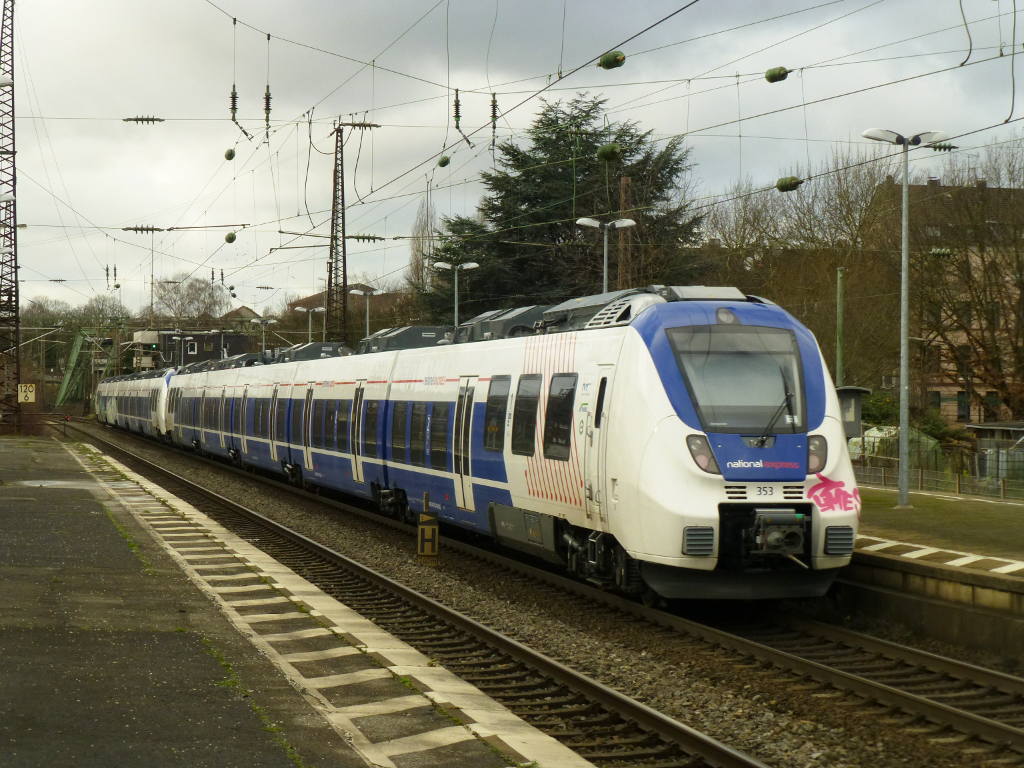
428, 535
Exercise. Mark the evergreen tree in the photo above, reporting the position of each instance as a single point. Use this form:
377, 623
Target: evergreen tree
525, 238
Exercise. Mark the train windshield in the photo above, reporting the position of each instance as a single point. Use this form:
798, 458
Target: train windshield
739, 376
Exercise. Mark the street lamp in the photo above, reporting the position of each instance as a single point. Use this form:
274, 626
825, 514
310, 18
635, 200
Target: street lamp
368, 292
264, 322
891, 137
182, 339
309, 321
606, 226
455, 273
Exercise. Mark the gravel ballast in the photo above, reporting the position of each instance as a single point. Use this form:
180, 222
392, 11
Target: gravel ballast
768, 713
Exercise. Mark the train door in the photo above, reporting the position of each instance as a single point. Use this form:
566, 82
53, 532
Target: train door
243, 432
224, 412
355, 431
272, 424
203, 413
462, 439
307, 432
595, 443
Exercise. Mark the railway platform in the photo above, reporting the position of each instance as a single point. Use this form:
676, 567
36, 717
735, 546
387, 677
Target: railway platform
951, 566
135, 631
108, 656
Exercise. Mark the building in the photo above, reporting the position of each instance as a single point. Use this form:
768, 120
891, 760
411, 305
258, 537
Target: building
173, 347
967, 295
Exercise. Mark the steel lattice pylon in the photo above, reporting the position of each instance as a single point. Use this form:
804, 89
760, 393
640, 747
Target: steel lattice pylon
10, 363
337, 267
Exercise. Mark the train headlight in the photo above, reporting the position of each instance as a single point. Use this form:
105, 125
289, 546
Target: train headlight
702, 455
817, 454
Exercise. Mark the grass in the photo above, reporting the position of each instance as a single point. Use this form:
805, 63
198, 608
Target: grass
979, 526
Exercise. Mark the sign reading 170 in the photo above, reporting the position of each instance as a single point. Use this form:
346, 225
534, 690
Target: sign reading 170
26, 393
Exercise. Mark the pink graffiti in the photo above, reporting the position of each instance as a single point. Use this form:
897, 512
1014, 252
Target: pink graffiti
831, 495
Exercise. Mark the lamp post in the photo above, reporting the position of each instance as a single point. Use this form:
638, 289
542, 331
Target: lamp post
263, 322
181, 347
368, 292
606, 227
455, 275
309, 321
891, 137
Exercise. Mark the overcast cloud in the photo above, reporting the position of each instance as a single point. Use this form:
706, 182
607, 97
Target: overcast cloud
83, 66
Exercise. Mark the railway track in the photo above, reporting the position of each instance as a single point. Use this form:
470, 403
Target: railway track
595, 721
918, 691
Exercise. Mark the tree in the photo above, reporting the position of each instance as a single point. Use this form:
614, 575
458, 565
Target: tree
190, 300
788, 247
968, 276
525, 238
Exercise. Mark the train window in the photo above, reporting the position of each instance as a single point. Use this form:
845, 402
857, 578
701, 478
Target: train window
558, 418
439, 417
599, 408
524, 414
344, 418
494, 416
418, 435
330, 420
281, 420
316, 424
370, 419
399, 441
298, 411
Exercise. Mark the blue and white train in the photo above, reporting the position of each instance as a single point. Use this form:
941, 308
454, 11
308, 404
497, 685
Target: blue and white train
681, 441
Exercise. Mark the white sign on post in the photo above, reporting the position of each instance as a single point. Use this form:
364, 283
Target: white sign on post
26, 393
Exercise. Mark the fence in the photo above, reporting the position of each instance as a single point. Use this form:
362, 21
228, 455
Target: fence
943, 482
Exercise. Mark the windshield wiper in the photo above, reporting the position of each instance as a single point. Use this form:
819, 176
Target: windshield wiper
785, 405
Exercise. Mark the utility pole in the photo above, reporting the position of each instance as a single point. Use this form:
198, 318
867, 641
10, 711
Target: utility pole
337, 265
625, 255
10, 319
840, 274
152, 233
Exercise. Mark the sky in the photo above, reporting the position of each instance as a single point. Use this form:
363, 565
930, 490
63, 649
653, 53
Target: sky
692, 68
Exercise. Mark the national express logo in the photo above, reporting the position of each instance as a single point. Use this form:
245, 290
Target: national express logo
761, 464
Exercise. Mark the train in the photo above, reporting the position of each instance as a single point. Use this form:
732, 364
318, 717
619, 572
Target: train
673, 442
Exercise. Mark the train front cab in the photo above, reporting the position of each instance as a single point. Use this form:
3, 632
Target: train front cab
745, 481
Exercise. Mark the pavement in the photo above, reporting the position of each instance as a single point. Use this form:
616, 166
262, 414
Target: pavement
136, 631
109, 656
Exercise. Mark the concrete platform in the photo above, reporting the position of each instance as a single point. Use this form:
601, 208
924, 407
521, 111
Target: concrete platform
109, 656
136, 631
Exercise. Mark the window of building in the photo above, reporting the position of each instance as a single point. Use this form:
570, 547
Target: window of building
992, 405
372, 416
963, 406
558, 418
494, 415
399, 423
524, 414
418, 435
439, 418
